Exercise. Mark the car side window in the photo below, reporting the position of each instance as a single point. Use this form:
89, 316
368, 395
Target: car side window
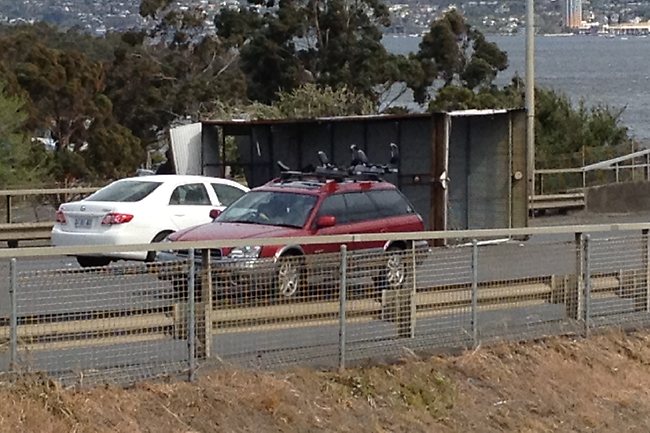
390, 203
360, 207
334, 205
192, 194
227, 194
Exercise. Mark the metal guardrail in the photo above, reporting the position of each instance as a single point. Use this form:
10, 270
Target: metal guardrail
14, 232
558, 202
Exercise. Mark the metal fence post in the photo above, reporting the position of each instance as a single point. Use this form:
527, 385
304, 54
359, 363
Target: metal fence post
587, 284
414, 290
204, 310
643, 304
475, 340
8, 207
14, 316
575, 292
342, 305
191, 318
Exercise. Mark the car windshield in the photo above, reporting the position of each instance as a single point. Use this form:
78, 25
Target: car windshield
270, 208
124, 191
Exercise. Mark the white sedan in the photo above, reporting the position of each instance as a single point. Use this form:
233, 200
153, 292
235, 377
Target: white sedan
140, 210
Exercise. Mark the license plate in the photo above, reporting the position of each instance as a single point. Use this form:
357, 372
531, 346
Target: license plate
81, 223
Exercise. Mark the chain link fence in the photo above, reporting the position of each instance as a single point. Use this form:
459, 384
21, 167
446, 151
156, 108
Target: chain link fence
345, 305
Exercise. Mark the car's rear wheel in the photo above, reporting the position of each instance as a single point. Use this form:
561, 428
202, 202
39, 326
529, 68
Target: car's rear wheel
394, 270
89, 261
290, 277
151, 255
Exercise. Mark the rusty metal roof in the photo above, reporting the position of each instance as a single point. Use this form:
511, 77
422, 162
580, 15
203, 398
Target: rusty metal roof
371, 117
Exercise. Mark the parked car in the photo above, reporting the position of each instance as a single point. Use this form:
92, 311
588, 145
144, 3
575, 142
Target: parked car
139, 210
306, 204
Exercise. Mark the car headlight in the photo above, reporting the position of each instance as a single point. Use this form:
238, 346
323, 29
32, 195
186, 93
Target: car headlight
248, 252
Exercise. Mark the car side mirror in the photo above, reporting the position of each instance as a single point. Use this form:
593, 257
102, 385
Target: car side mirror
215, 213
325, 221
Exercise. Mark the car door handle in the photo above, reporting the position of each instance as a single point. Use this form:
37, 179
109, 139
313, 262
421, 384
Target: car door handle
179, 214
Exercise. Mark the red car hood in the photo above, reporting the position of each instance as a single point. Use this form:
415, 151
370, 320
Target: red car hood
219, 231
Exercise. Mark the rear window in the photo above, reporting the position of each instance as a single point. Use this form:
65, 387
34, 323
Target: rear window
390, 203
124, 191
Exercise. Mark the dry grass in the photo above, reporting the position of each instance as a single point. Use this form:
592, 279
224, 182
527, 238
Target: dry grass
556, 385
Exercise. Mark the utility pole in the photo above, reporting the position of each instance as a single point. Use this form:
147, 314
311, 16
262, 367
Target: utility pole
530, 96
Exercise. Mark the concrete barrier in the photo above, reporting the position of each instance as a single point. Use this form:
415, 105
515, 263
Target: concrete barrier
618, 197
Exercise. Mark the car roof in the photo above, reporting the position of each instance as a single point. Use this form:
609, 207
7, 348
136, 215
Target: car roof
316, 187
181, 178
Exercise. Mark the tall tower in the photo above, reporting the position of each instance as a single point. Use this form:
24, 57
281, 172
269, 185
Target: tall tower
572, 13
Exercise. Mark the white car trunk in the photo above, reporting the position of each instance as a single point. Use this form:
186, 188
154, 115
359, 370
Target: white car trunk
86, 216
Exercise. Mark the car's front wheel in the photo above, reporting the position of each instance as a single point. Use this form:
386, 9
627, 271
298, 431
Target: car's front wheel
290, 277
90, 262
394, 270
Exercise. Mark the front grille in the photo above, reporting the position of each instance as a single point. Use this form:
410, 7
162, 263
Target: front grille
215, 253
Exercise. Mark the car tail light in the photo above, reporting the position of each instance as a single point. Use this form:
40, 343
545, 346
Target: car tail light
60, 217
116, 218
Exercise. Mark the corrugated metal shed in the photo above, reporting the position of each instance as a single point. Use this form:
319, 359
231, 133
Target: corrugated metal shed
461, 170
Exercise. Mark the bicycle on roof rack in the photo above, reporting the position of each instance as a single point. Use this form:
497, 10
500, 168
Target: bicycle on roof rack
360, 169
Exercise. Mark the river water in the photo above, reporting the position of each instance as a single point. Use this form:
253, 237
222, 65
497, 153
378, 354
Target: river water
599, 70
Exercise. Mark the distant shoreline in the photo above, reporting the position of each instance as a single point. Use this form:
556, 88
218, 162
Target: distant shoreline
546, 35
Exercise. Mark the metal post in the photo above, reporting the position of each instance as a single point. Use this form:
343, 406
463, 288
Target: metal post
414, 289
646, 263
13, 321
574, 299
475, 293
587, 283
191, 329
342, 305
530, 96
8, 203
204, 309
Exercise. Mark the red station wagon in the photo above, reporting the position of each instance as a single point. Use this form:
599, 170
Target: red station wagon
308, 204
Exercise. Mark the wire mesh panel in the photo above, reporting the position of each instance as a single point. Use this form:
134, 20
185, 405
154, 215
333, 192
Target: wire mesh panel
619, 279
444, 297
527, 289
118, 323
379, 307
276, 312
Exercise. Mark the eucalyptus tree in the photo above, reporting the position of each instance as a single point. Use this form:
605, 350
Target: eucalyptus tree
335, 43
174, 70
452, 53
64, 94
22, 161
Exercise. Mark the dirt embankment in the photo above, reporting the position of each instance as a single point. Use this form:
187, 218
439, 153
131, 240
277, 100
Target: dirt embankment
557, 385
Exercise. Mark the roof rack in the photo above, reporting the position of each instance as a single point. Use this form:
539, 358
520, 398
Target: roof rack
360, 168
